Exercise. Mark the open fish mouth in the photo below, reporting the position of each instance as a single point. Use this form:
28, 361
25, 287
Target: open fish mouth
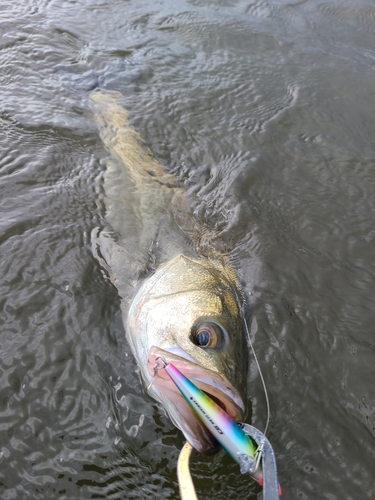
181, 413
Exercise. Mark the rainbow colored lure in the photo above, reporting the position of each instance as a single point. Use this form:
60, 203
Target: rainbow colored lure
231, 437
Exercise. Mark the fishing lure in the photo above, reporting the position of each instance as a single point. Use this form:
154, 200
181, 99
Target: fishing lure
252, 456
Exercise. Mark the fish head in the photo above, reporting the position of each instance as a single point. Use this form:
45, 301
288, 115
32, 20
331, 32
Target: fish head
188, 314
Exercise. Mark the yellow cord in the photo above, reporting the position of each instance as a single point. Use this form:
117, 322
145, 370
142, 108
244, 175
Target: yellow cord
185, 482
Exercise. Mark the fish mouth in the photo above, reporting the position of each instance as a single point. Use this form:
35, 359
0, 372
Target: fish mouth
216, 386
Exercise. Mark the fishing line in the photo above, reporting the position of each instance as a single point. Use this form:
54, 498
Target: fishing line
241, 307
261, 377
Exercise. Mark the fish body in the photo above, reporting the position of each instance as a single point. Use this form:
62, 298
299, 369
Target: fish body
181, 300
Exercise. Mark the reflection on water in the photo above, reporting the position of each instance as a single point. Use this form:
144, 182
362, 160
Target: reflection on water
266, 110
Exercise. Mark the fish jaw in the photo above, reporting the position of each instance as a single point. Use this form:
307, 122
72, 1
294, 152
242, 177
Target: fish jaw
181, 413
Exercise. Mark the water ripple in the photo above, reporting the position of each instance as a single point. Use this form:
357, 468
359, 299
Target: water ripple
266, 110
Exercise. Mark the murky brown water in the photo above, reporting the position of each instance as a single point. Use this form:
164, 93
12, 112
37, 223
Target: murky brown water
267, 110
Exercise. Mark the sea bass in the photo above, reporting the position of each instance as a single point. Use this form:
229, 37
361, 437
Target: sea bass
181, 300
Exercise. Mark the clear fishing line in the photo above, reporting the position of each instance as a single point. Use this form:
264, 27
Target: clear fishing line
261, 377
241, 307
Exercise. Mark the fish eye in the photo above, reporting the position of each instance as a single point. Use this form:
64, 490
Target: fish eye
206, 335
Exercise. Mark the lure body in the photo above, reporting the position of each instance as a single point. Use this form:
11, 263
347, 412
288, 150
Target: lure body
227, 432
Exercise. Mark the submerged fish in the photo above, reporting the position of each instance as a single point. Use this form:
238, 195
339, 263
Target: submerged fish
180, 298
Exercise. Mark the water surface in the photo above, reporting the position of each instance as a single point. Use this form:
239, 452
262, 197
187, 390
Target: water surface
267, 111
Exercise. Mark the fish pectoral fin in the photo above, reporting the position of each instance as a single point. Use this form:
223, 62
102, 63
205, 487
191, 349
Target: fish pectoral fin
115, 259
100, 247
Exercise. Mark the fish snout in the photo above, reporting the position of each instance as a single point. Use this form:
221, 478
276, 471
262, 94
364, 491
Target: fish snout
181, 413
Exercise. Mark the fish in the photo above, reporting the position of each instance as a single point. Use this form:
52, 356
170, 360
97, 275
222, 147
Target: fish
181, 300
